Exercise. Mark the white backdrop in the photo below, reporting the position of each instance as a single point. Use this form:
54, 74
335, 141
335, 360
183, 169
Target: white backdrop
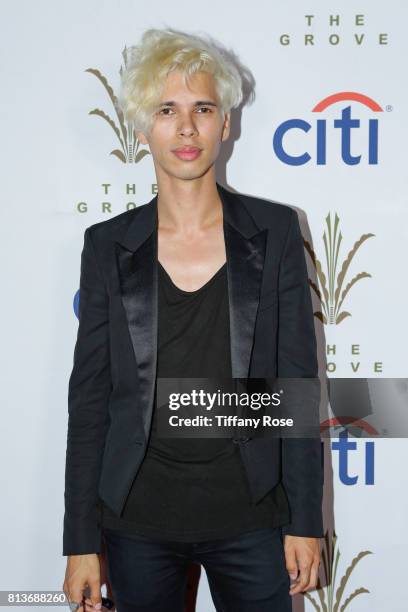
56, 159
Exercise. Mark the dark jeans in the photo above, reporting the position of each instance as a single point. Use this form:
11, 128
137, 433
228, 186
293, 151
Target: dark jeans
245, 573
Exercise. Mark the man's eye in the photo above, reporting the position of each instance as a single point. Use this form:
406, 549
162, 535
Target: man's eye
205, 108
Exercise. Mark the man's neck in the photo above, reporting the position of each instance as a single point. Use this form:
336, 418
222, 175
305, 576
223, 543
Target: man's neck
187, 206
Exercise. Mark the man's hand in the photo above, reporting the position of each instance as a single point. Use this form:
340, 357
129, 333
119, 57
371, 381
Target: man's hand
302, 554
103, 564
83, 571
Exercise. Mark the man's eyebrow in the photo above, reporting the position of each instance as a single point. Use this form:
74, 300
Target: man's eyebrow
196, 103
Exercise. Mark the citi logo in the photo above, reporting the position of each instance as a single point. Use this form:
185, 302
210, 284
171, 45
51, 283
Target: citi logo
320, 132
344, 446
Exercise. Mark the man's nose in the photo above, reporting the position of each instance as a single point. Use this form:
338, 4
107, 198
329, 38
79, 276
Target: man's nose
187, 126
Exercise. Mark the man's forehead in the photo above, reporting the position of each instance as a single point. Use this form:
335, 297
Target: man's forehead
197, 83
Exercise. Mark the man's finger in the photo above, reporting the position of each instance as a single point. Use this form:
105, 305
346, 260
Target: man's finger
96, 595
291, 565
91, 607
77, 596
304, 577
314, 574
305, 569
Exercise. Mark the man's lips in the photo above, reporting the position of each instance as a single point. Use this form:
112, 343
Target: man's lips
187, 153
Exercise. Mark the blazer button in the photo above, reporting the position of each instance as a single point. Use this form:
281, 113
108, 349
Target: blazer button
243, 439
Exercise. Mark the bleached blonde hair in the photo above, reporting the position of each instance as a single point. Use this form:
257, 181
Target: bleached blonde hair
161, 51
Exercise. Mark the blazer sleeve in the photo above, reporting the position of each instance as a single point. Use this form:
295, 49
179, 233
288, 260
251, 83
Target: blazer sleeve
89, 389
302, 459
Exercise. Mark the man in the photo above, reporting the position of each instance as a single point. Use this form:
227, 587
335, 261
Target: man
199, 282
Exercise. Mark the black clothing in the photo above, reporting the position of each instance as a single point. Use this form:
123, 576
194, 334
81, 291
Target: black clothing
112, 382
247, 572
194, 488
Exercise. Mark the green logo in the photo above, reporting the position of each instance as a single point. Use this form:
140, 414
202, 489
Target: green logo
129, 152
333, 289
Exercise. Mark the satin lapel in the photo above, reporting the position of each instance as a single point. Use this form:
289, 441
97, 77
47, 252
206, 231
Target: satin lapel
136, 252
244, 271
137, 265
245, 246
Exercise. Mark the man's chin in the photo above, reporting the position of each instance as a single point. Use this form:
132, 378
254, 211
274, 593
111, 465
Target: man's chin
187, 174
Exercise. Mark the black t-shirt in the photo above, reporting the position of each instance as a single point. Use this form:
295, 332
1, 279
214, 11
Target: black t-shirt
194, 489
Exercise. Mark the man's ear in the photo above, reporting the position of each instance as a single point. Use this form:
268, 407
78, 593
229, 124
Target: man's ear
227, 126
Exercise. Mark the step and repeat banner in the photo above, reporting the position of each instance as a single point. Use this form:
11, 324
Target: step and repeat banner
325, 134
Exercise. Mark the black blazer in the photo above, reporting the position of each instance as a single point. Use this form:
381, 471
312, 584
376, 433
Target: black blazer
111, 387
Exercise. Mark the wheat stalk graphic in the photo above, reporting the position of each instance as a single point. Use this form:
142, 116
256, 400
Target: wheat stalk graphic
330, 559
129, 144
332, 295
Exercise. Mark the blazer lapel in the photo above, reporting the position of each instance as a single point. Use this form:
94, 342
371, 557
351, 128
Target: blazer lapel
245, 245
136, 253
